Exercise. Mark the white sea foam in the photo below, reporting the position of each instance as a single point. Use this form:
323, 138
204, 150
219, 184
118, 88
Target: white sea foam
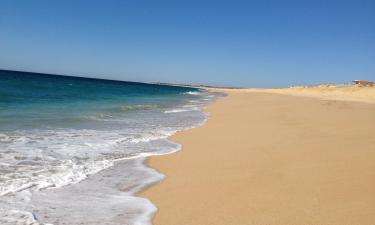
193, 93
178, 110
39, 167
186, 108
17, 217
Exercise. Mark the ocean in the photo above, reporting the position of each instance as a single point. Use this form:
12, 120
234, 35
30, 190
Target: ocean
72, 149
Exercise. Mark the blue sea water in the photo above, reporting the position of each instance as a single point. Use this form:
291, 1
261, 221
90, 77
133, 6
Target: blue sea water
72, 149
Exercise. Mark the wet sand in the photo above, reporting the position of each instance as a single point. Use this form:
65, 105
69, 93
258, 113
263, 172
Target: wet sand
267, 158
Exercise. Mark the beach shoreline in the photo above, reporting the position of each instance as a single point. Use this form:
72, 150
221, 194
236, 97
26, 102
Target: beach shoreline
292, 160
71, 142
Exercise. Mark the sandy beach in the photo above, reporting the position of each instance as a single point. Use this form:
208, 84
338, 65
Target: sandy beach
271, 158
328, 92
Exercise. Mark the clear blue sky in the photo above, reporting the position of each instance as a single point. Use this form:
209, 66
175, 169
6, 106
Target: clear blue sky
241, 43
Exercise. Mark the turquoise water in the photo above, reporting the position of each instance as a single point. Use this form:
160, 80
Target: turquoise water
30, 101
59, 135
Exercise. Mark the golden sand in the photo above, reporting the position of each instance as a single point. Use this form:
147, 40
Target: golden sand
266, 158
332, 92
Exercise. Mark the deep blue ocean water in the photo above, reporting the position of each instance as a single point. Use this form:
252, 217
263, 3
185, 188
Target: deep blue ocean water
61, 136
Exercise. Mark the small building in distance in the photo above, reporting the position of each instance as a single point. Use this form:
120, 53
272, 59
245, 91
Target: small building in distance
364, 83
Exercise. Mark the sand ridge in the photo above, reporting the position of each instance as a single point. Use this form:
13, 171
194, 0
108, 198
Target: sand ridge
329, 92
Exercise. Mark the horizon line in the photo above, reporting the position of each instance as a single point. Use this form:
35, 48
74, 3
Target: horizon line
103, 79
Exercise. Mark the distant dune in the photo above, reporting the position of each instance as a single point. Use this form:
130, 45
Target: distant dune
324, 91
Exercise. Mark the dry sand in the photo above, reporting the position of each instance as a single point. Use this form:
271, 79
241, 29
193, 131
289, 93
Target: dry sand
331, 92
266, 158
